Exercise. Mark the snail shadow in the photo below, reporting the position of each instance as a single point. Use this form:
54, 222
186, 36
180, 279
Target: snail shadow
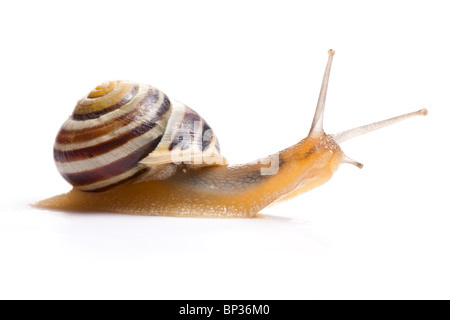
264, 216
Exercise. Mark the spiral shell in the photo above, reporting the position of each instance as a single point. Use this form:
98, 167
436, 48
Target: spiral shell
122, 129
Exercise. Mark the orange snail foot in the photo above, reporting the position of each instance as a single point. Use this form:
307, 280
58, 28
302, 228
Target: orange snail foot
151, 198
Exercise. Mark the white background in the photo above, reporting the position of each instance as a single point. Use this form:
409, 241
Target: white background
253, 69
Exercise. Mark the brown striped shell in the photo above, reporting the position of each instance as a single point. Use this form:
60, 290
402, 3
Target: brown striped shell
123, 130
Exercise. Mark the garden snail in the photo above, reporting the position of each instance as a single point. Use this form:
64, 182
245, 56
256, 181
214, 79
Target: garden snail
128, 148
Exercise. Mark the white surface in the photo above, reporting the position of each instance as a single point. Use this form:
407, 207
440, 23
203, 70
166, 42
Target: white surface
253, 70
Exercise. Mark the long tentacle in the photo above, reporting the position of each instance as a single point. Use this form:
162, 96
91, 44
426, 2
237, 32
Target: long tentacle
317, 124
351, 133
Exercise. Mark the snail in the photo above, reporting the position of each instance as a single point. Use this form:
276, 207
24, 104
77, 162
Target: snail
128, 148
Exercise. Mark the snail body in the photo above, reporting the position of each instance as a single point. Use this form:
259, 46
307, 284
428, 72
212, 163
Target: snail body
238, 191
159, 157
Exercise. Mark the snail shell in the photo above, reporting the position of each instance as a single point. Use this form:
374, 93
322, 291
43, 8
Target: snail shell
123, 130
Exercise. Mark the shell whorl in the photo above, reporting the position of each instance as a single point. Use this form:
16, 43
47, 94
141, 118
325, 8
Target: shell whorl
114, 130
